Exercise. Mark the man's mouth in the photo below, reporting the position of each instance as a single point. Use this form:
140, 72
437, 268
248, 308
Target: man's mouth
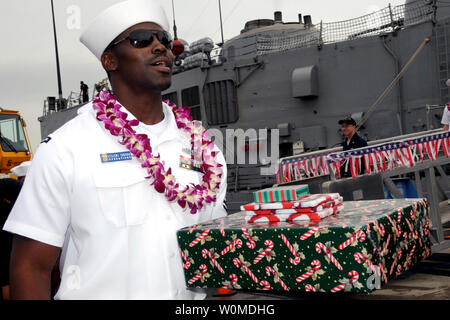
162, 65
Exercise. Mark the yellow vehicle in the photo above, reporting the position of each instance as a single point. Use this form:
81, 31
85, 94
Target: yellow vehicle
14, 141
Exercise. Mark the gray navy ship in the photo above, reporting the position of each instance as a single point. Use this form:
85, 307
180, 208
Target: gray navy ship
302, 77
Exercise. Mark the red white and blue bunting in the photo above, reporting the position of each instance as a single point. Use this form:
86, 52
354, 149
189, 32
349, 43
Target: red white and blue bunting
374, 159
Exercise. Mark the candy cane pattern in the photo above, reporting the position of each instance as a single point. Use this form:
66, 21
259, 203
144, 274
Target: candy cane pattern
408, 260
360, 235
236, 243
265, 284
203, 270
354, 276
310, 288
379, 227
239, 264
413, 212
309, 233
315, 267
233, 283
427, 226
221, 226
234, 279
199, 238
382, 230
206, 254
250, 243
380, 266
397, 256
269, 270
397, 228
266, 251
399, 215
386, 245
295, 261
360, 258
187, 263
321, 247
192, 228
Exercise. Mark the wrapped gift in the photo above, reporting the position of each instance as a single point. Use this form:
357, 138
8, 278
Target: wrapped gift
292, 209
290, 215
281, 194
363, 247
308, 201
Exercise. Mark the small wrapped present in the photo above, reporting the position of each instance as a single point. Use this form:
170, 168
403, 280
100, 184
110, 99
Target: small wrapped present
291, 215
265, 207
281, 194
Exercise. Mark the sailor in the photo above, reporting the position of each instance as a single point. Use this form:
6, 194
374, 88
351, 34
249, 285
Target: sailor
352, 141
109, 192
446, 115
84, 91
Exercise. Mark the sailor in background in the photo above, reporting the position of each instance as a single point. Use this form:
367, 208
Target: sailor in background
352, 141
84, 91
446, 115
87, 197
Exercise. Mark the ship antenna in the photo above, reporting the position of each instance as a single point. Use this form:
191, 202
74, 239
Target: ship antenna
58, 71
221, 24
174, 24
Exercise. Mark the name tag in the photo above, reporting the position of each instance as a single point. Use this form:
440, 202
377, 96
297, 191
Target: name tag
114, 157
188, 163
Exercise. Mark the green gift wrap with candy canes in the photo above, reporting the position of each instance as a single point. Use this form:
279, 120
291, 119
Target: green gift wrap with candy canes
281, 194
369, 242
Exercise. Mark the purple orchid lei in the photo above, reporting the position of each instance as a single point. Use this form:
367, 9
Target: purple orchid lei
194, 196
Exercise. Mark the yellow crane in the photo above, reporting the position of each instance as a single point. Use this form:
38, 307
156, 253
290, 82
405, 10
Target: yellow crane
14, 140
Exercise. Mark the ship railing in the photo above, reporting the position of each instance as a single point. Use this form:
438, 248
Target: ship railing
388, 19
315, 163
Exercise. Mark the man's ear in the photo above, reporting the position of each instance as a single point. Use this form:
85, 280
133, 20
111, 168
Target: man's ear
109, 61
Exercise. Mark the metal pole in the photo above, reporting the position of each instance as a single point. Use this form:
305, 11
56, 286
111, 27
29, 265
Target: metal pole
221, 24
174, 24
58, 71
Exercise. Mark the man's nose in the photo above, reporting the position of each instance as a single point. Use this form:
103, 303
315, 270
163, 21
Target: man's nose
158, 46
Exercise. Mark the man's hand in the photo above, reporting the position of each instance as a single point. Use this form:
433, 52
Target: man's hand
446, 127
31, 266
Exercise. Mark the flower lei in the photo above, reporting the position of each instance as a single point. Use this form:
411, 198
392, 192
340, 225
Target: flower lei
196, 196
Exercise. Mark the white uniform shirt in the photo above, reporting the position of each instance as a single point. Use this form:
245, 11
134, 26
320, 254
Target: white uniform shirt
446, 116
118, 234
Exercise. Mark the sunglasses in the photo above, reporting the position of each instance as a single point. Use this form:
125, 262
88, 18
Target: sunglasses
142, 38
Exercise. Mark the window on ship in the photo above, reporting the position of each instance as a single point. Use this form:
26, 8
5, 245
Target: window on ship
220, 102
172, 97
191, 99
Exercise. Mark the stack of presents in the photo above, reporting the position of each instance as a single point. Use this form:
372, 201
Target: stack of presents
290, 240
291, 204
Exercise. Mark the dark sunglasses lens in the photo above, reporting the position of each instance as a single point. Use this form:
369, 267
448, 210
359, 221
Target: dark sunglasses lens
165, 39
141, 38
